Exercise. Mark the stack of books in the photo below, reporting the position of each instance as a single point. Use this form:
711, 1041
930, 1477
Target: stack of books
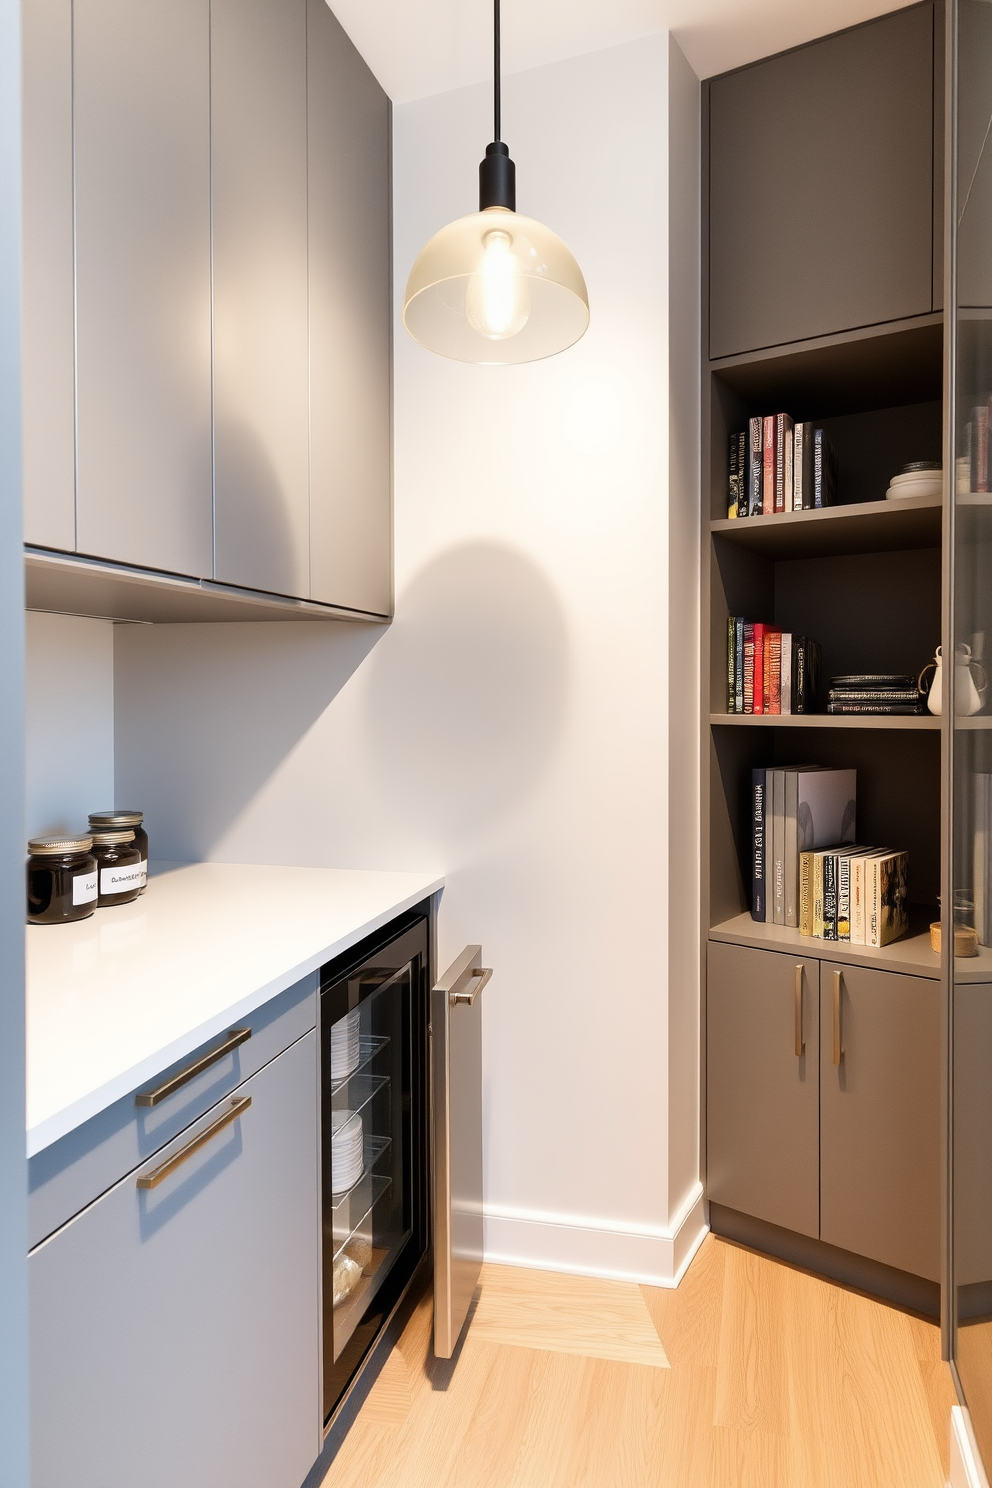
795, 810
851, 893
875, 692
770, 670
777, 465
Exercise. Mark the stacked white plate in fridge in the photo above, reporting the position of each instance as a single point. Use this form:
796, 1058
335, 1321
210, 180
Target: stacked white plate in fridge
920, 479
347, 1150
345, 1051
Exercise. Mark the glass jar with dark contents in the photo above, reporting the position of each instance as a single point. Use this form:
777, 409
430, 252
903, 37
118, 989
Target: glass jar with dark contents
62, 880
117, 821
119, 865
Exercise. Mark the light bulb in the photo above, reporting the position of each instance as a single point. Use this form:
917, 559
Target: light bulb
497, 300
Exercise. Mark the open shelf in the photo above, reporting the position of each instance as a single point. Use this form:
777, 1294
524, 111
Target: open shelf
368, 1048
859, 527
366, 1194
348, 1312
925, 721
361, 1089
374, 1148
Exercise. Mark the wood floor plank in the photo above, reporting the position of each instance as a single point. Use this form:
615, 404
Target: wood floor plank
567, 1314
390, 1399
751, 1385
687, 1317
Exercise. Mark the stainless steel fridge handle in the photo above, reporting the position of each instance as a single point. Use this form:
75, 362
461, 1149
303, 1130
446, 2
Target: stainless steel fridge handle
483, 973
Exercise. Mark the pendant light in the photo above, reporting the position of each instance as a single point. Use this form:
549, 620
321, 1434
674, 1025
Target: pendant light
496, 288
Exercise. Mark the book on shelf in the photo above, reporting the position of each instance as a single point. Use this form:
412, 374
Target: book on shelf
783, 461
769, 671
824, 470
805, 674
796, 810
758, 844
886, 907
755, 466
785, 673
875, 693
802, 481
768, 466
758, 675
745, 676
737, 485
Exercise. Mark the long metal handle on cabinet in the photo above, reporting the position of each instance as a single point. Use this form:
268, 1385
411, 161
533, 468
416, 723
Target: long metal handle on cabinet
456, 981
237, 1107
800, 1041
483, 973
152, 1097
838, 1046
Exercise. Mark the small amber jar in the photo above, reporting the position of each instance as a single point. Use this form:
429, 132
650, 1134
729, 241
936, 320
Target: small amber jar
119, 865
62, 880
117, 821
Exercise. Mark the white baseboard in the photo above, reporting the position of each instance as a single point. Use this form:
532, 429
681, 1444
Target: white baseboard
587, 1247
966, 1463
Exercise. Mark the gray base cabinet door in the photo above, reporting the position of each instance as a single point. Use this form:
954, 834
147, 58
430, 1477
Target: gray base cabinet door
762, 1042
174, 1328
880, 1116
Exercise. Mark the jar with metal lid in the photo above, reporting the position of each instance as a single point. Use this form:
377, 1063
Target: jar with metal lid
120, 867
116, 821
62, 879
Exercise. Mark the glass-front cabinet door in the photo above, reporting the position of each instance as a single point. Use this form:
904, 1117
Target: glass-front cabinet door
962, 685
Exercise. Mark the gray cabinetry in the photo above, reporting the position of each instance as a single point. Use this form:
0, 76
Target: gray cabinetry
880, 1117
762, 1095
821, 186
141, 90
258, 109
174, 1328
350, 323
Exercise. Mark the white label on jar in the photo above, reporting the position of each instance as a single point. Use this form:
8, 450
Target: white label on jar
144, 872
84, 888
120, 879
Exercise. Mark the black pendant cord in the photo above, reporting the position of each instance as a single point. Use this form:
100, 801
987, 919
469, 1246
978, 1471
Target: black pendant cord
497, 124
497, 173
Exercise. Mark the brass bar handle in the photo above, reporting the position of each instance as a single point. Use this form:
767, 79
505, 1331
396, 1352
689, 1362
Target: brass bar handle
152, 1097
800, 1041
483, 973
237, 1107
838, 1046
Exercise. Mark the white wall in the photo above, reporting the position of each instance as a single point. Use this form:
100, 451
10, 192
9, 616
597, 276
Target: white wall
69, 721
512, 726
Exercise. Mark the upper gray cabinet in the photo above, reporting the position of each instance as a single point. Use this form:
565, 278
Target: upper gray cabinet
350, 322
821, 186
258, 110
141, 112
207, 308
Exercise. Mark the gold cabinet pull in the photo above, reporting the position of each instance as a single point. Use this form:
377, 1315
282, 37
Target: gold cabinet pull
800, 1041
838, 1046
152, 1097
237, 1107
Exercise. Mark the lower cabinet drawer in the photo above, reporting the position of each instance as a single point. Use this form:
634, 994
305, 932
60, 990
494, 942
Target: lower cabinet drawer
174, 1322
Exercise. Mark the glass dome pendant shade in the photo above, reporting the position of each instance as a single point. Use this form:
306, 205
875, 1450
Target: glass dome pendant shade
496, 288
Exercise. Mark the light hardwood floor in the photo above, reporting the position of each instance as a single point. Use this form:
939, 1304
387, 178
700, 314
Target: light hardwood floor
760, 1377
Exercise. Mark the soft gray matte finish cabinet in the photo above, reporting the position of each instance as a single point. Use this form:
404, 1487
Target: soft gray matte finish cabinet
762, 1100
47, 350
821, 186
972, 1134
174, 1330
141, 91
880, 1117
350, 323
258, 110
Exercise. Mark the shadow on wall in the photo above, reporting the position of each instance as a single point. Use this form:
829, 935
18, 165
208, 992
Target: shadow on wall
467, 693
458, 709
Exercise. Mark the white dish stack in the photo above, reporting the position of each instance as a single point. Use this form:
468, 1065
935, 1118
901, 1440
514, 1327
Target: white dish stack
345, 1051
920, 479
347, 1150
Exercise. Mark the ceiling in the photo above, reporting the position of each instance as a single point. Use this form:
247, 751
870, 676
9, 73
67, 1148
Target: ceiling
417, 47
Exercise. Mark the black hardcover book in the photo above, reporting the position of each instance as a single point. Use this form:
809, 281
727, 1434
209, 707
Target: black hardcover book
863, 680
758, 845
904, 710
739, 664
755, 457
824, 470
804, 492
830, 896
805, 674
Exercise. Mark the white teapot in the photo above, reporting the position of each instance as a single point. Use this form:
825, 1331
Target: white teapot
971, 683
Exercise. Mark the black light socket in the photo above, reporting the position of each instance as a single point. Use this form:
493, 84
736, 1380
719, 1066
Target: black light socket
497, 179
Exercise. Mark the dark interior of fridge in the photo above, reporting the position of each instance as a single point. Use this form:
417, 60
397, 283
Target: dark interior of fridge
374, 1139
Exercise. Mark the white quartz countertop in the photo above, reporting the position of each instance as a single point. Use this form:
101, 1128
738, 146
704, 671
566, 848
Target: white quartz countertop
115, 999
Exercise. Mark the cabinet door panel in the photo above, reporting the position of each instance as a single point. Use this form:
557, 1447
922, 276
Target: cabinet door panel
48, 351
174, 1329
821, 176
350, 323
880, 1118
762, 1115
258, 108
142, 139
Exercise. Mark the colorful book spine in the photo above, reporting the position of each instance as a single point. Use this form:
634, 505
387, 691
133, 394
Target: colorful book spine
798, 436
768, 466
755, 466
732, 664
806, 893
758, 680
829, 896
736, 484
758, 845
745, 677
773, 670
